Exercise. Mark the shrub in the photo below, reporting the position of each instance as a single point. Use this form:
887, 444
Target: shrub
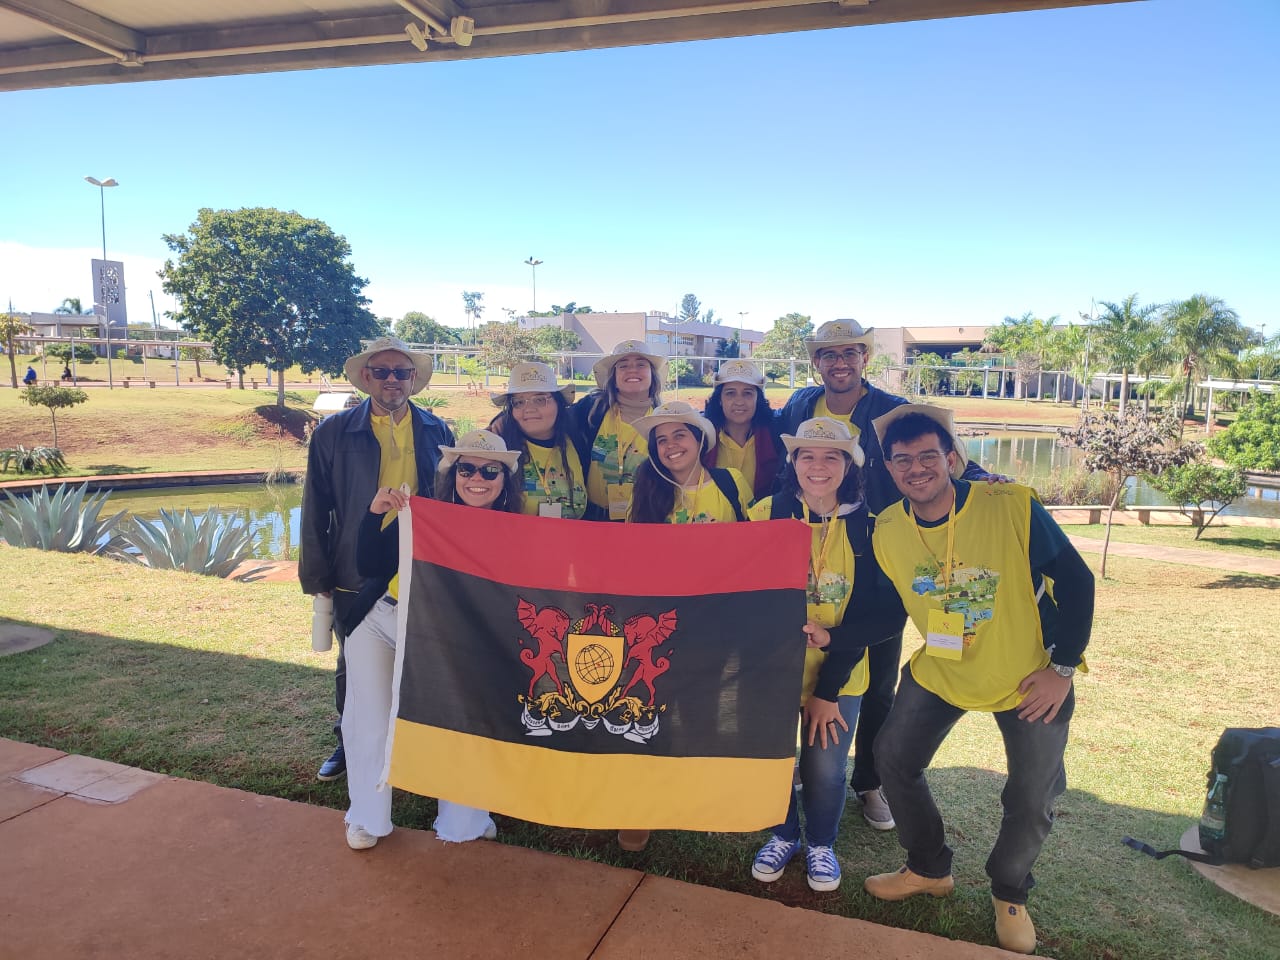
209, 544
431, 402
1200, 488
1253, 441
33, 460
66, 520
1075, 487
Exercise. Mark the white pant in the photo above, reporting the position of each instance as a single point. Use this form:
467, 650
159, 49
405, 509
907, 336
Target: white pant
366, 716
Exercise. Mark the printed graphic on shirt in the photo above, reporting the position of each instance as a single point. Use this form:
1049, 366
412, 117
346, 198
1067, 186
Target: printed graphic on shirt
972, 591
832, 587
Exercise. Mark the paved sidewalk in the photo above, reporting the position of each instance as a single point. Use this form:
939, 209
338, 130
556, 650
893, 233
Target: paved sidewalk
1211, 559
105, 861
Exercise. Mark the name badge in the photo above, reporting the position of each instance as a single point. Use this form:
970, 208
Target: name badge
619, 500
945, 638
546, 509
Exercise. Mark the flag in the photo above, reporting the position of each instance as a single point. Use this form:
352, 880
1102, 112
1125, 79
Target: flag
599, 675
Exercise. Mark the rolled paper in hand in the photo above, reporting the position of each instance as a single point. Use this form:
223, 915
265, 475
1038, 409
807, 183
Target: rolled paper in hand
321, 623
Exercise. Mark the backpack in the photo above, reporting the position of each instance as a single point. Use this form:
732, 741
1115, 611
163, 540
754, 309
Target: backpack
1241, 819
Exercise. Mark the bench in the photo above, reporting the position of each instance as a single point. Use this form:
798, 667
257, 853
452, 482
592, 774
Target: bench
1144, 514
1093, 511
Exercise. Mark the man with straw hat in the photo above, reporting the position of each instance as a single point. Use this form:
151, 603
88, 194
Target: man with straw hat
383, 442
839, 351
1005, 604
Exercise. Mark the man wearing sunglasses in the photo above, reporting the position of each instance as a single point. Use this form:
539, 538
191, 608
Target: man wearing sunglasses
839, 351
385, 441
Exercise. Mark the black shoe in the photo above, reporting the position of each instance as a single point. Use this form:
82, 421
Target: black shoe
334, 767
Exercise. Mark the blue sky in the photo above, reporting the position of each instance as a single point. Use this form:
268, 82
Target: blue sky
952, 171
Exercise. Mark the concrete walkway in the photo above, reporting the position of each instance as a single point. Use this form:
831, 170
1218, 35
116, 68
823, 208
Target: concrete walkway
105, 861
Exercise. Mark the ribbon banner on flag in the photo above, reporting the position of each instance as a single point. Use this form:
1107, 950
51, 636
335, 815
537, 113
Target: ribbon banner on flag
599, 675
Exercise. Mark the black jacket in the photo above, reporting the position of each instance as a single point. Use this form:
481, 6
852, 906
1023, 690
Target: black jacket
342, 477
880, 488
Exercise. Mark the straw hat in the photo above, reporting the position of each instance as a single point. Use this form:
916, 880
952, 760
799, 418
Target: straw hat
940, 415
677, 411
839, 333
627, 348
739, 371
824, 432
420, 360
531, 378
482, 444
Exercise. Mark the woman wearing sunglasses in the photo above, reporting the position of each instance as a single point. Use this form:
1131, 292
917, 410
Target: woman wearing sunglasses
851, 606
479, 472
536, 420
629, 383
746, 431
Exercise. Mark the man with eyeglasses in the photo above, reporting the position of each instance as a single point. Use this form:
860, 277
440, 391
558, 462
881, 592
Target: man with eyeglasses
1005, 605
839, 351
385, 441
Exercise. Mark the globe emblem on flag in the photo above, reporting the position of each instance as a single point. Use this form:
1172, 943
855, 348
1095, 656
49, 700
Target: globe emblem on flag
594, 663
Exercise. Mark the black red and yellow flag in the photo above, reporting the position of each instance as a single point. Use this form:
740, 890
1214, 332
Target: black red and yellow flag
599, 675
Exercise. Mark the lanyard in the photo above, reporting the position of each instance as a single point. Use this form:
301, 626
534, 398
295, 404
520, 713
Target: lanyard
951, 544
617, 432
818, 562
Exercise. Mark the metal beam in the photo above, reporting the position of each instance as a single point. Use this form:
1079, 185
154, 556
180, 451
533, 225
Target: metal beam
78, 24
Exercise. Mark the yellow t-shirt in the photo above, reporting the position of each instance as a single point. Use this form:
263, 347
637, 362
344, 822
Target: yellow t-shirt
734, 457
706, 504
827, 595
545, 481
616, 454
990, 582
397, 466
820, 410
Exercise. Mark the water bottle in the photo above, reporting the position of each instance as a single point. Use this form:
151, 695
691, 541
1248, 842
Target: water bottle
1213, 822
321, 623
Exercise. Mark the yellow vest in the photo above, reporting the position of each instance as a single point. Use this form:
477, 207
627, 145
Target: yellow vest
990, 583
397, 466
544, 480
826, 598
616, 454
733, 457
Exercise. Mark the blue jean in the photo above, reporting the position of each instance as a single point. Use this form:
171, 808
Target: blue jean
825, 784
915, 729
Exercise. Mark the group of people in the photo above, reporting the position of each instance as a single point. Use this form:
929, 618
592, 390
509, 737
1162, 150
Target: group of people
902, 524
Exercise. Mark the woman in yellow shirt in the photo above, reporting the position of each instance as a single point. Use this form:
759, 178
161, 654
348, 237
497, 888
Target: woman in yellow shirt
672, 485
536, 420
746, 437
851, 606
629, 382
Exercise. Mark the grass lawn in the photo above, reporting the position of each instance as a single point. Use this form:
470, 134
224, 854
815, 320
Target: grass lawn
215, 680
1256, 541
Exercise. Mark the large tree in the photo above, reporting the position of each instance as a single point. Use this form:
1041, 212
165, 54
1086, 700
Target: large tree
505, 344
266, 286
786, 340
1123, 334
1027, 341
1204, 334
417, 327
690, 308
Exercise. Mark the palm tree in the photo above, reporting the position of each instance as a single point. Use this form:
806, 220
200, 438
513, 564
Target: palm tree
70, 305
1204, 334
1123, 334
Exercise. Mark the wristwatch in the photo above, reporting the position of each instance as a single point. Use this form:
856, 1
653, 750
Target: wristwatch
1062, 670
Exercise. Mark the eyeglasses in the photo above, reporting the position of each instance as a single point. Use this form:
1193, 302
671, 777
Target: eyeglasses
536, 402
490, 471
851, 355
902, 462
401, 373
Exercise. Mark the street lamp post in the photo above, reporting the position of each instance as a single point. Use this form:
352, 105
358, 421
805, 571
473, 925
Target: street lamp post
741, 325
533, 269
102, 207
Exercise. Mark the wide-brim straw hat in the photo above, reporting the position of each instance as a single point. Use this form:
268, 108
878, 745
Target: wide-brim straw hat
482, 444
676, 411
839, 333
420, 360
739, 371
627, 348
824, 432
946, 418
531, 377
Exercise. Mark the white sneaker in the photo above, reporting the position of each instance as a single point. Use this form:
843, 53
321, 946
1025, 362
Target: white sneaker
358, 838
875, 809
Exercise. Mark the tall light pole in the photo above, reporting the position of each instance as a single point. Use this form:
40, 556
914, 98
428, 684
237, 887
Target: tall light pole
533, 269
741, 325
1262, 347
102, 206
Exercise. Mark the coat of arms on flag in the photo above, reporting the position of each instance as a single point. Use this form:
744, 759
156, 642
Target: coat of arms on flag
599, 675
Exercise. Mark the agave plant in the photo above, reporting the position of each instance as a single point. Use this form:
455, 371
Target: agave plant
209, 544
33, 460
65, 520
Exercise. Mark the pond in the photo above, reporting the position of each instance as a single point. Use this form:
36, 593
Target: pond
273, 511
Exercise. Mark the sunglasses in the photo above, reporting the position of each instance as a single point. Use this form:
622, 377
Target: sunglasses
490, 471
401, 373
